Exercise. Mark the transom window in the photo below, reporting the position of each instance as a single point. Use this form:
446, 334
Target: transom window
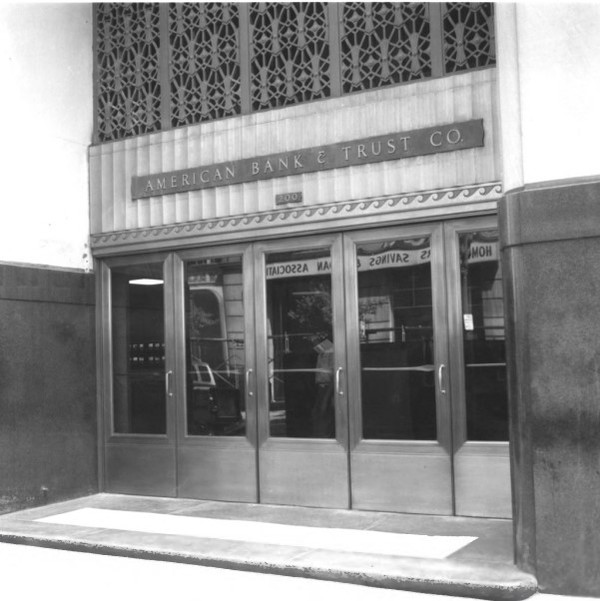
160, 66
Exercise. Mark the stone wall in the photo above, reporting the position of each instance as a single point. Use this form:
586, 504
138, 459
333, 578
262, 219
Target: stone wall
48, 438
551, 254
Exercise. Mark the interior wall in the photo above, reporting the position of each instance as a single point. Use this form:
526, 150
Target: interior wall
46, 72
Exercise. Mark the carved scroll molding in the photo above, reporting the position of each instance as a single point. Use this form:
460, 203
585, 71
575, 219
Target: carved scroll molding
389, 206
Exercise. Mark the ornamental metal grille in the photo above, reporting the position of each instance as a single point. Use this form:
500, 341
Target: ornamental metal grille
384, 43
204, 62
127, 62
289, 53
468, 36
168, 65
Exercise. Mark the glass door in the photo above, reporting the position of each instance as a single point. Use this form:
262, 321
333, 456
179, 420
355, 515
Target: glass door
363, 369
400, 426
428, 427
217, 418
302, 433
138, 363
478, 359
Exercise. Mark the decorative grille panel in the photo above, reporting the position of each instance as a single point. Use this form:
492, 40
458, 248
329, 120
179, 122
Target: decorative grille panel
468, 36
384, 43
204, 62
168, 65
289, 55
128, 45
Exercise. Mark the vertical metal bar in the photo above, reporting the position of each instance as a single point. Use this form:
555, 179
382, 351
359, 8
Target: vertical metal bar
95, 74
353, 379
245, 55
440, 332
339, 340
258, 286
103, 372
436, 9
176, 407
335, 45
163, 63
255, 416
171, 355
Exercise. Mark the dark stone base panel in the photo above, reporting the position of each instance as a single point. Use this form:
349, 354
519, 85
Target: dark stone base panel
48, 437
552, 258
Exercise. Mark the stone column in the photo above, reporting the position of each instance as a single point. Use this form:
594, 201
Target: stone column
548, 61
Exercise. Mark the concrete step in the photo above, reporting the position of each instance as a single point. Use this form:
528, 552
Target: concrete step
446, 556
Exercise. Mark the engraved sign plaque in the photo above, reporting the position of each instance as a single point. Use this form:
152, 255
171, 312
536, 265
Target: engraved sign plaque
419, 142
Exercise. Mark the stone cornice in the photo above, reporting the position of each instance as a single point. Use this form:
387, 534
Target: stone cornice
397, 203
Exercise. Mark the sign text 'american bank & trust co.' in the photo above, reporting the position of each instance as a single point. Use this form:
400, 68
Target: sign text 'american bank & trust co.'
419, 142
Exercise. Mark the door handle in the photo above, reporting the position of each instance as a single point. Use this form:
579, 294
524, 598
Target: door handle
168, 383
440, 374
338, 391
248, 391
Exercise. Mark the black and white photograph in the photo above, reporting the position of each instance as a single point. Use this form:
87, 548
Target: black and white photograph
300, 300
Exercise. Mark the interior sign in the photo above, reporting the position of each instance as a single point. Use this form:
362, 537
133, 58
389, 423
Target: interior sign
479, 252
403, 145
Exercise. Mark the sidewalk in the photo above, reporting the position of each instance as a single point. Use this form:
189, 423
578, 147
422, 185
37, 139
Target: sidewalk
30, 573
426, 554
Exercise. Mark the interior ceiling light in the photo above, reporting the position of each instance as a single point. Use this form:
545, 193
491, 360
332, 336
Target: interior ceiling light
146, 282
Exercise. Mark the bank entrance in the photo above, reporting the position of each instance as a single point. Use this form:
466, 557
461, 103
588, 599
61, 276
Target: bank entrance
363, 369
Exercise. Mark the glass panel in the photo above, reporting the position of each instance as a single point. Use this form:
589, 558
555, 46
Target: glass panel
215, 347
396, 340
300, 344
138, 349
483, 335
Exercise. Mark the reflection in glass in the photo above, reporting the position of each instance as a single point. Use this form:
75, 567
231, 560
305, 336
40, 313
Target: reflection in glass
483, 335
396, 340
215, 347
139, 402
300, 344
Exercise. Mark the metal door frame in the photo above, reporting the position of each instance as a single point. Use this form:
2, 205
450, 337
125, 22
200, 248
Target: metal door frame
474, 457
474, 492
302, 471
231, 455
405, 461
137, 463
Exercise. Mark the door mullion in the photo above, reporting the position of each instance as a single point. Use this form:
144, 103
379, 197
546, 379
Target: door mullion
340, 321
352, 354
455, 336
352, 345
254, 280
174, 352
441, 354
251, 388
176, 355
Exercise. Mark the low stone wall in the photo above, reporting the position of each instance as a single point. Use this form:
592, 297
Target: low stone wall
48, 437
